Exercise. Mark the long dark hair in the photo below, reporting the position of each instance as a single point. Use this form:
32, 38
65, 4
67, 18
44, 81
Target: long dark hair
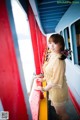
57, 38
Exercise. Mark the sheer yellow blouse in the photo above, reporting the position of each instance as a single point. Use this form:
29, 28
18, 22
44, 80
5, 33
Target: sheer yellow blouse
54, 72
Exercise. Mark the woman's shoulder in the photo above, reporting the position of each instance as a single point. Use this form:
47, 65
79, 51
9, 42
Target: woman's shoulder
59, 61
56, 58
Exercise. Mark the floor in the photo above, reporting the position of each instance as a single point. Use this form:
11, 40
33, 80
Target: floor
71, 111
69, 108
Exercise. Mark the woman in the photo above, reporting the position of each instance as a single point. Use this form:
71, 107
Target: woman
54, 74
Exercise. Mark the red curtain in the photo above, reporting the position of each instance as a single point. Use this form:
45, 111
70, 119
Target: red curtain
42, 44
11, 94
38, 41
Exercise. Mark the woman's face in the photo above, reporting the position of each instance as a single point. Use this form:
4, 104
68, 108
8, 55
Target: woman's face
55, 47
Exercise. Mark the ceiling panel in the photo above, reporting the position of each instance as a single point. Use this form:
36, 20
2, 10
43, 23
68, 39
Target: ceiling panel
50, 13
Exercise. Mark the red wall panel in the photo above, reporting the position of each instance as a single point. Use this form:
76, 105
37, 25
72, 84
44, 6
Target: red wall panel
11, 93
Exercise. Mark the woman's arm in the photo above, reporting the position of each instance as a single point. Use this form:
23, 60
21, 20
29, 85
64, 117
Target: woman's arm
48, 87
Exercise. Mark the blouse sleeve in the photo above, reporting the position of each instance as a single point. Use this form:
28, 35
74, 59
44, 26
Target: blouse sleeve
58, 73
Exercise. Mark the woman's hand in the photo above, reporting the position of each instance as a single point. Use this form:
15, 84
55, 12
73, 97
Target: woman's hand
38, 88
39, 79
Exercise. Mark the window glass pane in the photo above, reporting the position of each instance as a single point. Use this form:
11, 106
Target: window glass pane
77, 27
24, 42
60, 32
68, 41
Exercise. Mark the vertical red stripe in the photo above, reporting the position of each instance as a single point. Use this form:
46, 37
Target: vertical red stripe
42, 45
11, 93
32, 24
39, 45
38, 41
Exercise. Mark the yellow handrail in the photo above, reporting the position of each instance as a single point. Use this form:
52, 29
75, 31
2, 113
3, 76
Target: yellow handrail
43, 109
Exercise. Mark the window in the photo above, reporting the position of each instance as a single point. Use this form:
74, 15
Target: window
24, 42
77, 28
67, 41
60, 32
